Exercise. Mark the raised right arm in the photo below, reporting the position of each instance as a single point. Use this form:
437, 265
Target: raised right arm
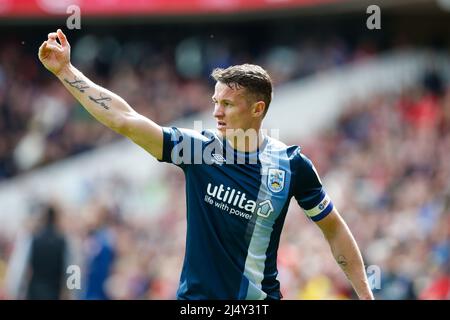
104, 105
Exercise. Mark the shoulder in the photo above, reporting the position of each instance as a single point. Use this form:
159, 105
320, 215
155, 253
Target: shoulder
299, 161
178, 134
293, 153
209, 135
275, 145
303, 167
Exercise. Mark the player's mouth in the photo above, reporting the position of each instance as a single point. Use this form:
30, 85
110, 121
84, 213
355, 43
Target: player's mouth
221, 124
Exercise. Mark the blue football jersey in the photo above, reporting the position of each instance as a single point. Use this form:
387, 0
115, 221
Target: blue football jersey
236, 207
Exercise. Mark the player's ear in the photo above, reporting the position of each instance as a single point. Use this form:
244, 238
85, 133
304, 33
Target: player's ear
258, 108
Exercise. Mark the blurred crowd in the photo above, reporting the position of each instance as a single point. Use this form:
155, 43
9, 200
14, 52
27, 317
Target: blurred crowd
41, 123
385, 164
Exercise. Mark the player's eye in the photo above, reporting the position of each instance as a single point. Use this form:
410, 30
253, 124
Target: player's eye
222, 103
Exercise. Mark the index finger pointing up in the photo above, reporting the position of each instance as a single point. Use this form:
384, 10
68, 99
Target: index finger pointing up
62, 38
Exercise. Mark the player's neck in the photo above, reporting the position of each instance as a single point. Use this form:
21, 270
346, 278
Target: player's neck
248, 141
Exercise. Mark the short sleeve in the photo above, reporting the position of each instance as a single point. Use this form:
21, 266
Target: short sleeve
182, 146
308, 189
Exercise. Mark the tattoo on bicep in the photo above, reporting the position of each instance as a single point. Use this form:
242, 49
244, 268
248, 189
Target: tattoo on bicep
80, 85
341, 261
101, 101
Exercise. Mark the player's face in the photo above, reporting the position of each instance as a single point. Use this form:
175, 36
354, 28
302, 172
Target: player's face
232, 109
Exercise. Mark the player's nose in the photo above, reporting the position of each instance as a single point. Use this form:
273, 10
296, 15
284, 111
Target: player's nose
218, 111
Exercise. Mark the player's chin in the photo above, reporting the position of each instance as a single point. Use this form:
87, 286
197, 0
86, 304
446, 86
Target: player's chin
222, 129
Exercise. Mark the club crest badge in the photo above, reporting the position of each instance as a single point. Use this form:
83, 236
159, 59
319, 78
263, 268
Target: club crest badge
275, 180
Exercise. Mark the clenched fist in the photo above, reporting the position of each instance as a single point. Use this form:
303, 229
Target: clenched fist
53, 55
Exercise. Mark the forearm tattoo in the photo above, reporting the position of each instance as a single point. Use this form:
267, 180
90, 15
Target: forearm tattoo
341, 261
101, 101
80, 85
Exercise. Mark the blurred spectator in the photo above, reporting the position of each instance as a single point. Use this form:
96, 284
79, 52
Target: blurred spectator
99, 251
439, 288
38, 266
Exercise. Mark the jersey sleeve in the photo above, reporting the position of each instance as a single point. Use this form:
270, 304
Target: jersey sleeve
308, 190
182, 147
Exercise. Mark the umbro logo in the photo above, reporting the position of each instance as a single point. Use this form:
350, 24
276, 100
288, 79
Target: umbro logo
218, 159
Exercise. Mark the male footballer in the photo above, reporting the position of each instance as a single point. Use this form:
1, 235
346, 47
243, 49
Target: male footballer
239, 182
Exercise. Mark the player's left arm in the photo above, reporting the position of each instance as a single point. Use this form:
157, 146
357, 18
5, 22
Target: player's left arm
346, 252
